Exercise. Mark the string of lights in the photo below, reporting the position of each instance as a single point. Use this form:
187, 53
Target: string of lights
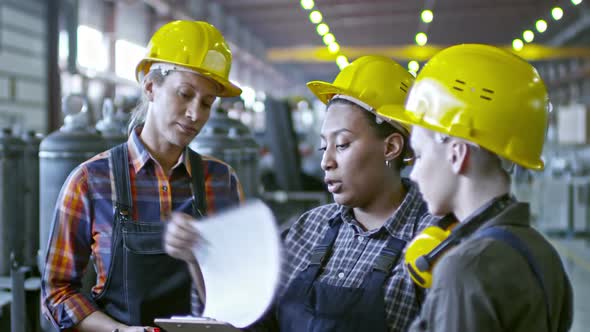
316, 17
541, 25
421, 38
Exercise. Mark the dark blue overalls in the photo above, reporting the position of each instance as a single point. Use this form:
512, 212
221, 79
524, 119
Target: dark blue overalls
143, 282
312, 306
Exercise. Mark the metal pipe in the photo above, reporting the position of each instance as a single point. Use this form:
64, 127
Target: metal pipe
18, 309
53, 77
71, 19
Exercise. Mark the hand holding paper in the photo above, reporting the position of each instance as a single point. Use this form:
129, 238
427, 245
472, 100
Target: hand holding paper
240, 263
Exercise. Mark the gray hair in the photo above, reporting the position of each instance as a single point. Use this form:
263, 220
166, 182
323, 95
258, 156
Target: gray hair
139, 112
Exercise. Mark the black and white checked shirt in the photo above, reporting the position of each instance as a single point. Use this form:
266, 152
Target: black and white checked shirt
355, 250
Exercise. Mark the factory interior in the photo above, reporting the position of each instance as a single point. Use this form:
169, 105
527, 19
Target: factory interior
69, 85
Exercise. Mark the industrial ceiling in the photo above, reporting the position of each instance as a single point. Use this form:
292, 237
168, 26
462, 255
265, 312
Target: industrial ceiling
284, 26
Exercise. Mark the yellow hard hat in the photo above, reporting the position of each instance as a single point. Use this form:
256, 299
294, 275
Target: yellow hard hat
372, 80
194, 45
482, 94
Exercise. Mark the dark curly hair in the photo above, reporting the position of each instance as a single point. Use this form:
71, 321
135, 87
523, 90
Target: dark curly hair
382, 130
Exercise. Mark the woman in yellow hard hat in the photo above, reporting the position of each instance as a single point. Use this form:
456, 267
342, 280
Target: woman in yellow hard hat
475, 110
342, 271
111, 211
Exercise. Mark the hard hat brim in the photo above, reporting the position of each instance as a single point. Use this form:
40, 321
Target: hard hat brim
410, 119
228, 88
325, 91
401, 115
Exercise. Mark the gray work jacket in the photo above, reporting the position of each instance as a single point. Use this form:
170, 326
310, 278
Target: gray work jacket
486, 285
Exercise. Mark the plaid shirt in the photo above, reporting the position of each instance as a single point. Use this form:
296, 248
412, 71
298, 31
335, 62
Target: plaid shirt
84, 214
355, 250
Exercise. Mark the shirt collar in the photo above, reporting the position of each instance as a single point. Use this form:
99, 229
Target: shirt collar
140, 156
395, 223
516, 214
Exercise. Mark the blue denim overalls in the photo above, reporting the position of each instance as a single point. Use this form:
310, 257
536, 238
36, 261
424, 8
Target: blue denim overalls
143, 282
312, 306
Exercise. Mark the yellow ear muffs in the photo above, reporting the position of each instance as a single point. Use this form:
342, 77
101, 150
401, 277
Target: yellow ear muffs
424, 250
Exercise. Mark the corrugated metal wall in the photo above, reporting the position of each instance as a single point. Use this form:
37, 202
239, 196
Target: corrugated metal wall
23, 61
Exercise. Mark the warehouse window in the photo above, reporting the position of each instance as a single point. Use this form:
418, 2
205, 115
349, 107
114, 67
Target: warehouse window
64, 49
92, 49
127, 56
249, 96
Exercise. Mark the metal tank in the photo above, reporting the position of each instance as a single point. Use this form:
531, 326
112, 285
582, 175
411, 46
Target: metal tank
113, 125
11, 199
59, 153
231, 141
31, 197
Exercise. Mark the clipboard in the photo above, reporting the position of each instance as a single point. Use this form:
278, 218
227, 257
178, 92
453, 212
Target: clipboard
193, 324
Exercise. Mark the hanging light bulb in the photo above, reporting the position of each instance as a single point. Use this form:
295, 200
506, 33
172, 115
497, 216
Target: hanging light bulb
427, 16
322, 29
557, 13
517, 44
541, 26
315, 17
421, 38
307, 4
528, 36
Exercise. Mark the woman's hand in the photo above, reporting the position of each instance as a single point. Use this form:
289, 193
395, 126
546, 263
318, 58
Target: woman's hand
181, 237
139, 329
99, 321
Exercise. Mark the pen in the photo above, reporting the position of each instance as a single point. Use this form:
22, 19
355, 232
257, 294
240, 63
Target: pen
184, 205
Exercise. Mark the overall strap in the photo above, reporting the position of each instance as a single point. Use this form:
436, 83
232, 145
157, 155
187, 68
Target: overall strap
120, 162
197, 184
322, 251
389, 255
519, 246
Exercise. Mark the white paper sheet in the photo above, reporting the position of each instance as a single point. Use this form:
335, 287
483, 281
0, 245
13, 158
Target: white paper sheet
240, 263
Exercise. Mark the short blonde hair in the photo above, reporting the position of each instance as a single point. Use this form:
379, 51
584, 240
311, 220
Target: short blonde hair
482, 155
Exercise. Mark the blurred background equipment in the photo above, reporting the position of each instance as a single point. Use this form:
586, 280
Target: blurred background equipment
32, 141
286, 187
231, 141
59, 153
63, 150
12, 227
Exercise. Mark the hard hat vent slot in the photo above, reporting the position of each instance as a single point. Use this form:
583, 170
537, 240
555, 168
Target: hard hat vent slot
403, 87
457, 87
487, 91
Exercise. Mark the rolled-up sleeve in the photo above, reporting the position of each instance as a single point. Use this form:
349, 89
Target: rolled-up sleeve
68, 254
